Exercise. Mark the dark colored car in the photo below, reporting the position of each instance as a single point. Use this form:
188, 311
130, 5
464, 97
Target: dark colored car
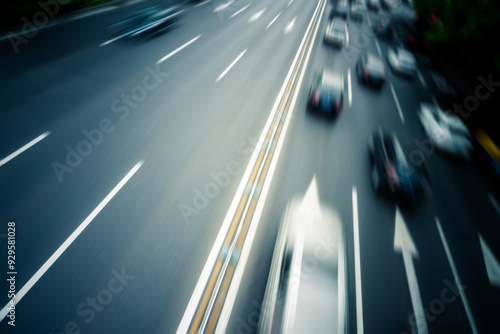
373, 5
339, 12
416, 42
371, 69
392, 173
383, 28
326, 95
149, 21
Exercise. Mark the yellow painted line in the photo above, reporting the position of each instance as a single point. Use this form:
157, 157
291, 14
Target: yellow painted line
206, 297
237, 217
264, 162
246, 224
214, 316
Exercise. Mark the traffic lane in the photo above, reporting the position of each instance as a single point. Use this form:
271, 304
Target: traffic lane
62, 83
200, 109
385, 110
34, 91
467, 184
464, 217
69, 35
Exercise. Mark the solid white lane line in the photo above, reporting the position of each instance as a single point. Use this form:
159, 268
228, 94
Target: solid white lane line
290, 25
178, 49
238, 12
202, 3
457, 278
494, 203
397, 104
256, 16
24, 148
378, 48
349, 90
357, 262
421, 78
231, 65
69, 241
273, 20
112, 40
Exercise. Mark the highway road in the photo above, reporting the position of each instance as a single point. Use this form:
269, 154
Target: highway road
147, 177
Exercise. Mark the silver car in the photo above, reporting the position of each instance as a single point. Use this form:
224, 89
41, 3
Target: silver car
402, 61
307, 286
446, 131
336, 33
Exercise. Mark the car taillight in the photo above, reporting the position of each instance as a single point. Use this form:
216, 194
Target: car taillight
315, 97
367, 74
393, 176
338, 105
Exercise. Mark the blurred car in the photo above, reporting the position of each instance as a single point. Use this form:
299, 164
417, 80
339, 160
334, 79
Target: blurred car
446, 131
327, 93
373, 5
357, 11
402, 61
371, 69
336, 32
392, 173
383, 28
149, 21
300, 297
339, 12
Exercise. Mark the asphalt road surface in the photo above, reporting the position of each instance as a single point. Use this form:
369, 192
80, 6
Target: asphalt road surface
124, 162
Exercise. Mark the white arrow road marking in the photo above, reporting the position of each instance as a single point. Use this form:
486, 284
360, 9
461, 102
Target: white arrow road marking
403, 243
290, 25
357, 262
491, 263
256, 16
24, 148
457, 278
309, 211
